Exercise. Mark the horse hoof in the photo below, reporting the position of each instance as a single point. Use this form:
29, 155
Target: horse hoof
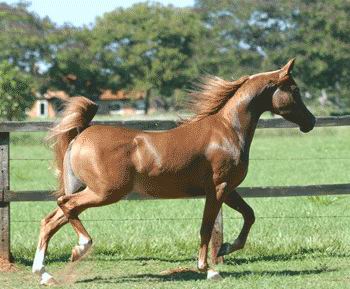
224, 249
79, 251
213, 275
47, 280
202, 267
75, 256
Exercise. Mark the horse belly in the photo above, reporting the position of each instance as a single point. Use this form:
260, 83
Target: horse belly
167, 187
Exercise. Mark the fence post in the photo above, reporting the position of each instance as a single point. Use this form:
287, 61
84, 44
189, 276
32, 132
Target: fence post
217, 238
4, 206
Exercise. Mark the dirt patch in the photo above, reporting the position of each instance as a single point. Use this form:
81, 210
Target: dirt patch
70, 273
6, 266
178, 270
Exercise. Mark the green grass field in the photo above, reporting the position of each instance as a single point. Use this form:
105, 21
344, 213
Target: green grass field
297, 242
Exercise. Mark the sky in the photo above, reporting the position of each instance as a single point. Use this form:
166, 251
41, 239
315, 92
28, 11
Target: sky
80, 12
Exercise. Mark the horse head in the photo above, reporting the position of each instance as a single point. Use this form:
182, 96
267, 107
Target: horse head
287, 102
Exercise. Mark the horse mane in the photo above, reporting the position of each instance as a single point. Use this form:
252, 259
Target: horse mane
211, 94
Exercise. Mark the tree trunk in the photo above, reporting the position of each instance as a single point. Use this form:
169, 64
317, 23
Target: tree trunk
146, 100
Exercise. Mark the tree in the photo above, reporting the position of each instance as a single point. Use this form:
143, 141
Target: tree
73, 65
225, 49
319, 35
23, 37
23, 44
15, 92
267, 34
149, 47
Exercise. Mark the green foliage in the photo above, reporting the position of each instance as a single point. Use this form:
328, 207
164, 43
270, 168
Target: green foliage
262, 35
161, 49
226, 49
325, 200
74, 65
149, 46
15, 92
318, 34
23, 37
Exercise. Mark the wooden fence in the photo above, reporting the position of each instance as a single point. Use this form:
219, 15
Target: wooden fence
7, 196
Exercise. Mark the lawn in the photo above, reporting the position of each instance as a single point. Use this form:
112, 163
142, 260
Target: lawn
297, 242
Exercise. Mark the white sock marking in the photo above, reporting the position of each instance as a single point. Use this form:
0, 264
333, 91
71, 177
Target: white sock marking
45, 277
213, 275
38, 263
84, 244
200, 264
83, 240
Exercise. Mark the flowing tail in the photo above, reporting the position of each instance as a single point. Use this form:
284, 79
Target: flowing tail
78, 113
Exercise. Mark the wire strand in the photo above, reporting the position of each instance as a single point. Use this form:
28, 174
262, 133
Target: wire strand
252, 159
186, 219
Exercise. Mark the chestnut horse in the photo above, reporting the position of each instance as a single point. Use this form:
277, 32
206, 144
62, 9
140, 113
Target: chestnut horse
206, 155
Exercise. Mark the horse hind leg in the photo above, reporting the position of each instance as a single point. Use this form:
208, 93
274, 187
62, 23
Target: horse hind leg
49, 226
85, 241
73, 205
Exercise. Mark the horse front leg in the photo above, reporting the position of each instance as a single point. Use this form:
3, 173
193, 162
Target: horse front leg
235, 201
49, 226
212, 207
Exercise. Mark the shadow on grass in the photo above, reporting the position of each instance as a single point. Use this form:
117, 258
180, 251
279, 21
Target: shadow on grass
145, 259
299, 255
64, 257
29, 261
230, 260
196, 276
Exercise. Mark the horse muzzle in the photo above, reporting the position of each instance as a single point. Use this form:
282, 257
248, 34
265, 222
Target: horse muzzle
309, 126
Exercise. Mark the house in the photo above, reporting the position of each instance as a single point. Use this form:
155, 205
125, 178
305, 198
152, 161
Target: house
47, 105
119, 102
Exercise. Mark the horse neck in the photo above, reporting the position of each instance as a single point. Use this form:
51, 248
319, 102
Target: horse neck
242, 113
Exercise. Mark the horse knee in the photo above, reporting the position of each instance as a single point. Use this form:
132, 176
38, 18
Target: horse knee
62, 200
43, 223
67, 208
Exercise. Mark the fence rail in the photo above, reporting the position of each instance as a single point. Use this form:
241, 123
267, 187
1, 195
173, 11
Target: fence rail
7, 196
31, 126
246, 192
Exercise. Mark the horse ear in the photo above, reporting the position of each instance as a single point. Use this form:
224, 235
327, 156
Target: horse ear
285, 70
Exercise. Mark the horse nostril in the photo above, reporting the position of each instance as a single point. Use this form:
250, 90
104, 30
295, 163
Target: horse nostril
306, 128
312, 122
